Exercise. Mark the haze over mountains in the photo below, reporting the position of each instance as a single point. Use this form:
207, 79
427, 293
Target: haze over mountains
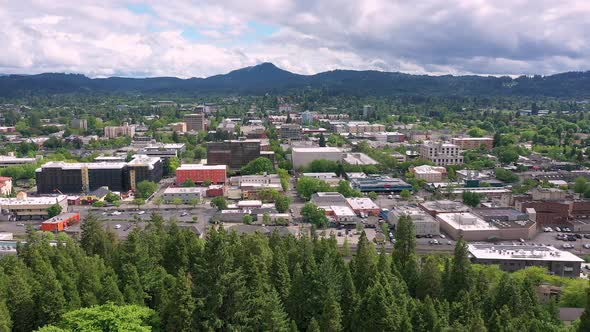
267, 78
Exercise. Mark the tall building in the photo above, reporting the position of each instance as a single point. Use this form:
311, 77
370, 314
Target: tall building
368, 111
116, 131
80, 124
290, 131
441, 153
200, 173
195, 121
58, 176
307, 117
467, 143
233, 153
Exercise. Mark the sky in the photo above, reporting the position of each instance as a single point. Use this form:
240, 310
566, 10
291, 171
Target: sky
185, 38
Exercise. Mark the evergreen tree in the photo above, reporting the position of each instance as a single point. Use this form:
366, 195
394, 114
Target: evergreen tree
5, 320
313, 326
331, 319
460, 272
132, 289
404, 252
322, 142
363, 264
272, 316
429, 283
348, 301
585, 318
181, 306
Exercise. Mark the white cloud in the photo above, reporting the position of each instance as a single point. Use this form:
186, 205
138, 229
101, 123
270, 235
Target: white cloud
186, 38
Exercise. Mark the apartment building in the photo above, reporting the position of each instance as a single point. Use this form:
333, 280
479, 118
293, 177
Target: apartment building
195, 121
441, 153
116, 131
468, 143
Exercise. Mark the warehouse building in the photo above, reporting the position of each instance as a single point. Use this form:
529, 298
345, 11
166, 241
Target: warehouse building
380, 183
424, 223
513, 258
504, 224
302, 157
24, 207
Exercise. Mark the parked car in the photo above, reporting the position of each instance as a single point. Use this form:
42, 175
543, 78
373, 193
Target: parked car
117, 226
587, 246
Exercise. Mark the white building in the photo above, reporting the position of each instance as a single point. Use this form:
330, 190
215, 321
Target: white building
423, 222
329, 177
302, 157
116, 131
358, 158
441, 153
429, 173
186, 195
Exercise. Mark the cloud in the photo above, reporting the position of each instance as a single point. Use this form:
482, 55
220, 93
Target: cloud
194, 39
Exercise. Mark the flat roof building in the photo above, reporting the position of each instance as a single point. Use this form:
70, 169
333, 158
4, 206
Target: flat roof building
429, 173
441, 153
195, 122
499, 224
329, 177
363, 205
379, 183
24, 207
186, 195
199, 173
443, 206
358, 159
302, 157
233, 153
468, 143
516, 257
326, 199
423, 222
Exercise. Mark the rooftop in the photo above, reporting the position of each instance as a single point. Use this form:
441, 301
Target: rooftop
362, 203
444, 206
44, 200
61, 217
517, 252
318, 149
183, 190
342, 211
465, 221
184, 167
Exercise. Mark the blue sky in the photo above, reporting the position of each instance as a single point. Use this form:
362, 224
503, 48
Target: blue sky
188, 38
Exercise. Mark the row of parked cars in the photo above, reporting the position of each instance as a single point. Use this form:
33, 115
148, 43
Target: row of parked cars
557, 229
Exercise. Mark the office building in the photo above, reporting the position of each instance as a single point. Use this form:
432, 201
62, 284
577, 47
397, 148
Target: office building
330, 177
116, 131
429, 173
185, 195
516, 257
195, 121
291, 131
488, 224
363, 206
307, 117
385, 136
11, 160
434, 208
358, 158
380, 184
81, 124
368, 111
327, 199
233, 153
59, 176
468, 143
163, 150
424, 223
362, 127
441, 153
179, 127
302, 157
24, 207
199, 173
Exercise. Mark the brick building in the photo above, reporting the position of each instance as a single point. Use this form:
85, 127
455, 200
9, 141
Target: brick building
200, 173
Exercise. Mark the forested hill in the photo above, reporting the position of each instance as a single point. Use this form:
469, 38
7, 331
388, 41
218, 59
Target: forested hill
267, 78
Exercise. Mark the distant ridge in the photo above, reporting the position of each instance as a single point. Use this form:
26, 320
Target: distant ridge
268, 78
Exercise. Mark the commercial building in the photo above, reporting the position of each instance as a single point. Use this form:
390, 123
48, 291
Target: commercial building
24, 207
363, 206
233, 153
291, 131
186, 195
323, 199
423, 222
434, 208
245, 180
59, 176
60, 222
199, 173
429, 173
379, 183
441, 153
163, 150
179, 127
195, 121
516, 257
307, 117
329, 177
6, 161
499, 224
386, 136
5, 185
116, 131
358, 158
362, 127
341, 214
468, 143
80, 124
302, 157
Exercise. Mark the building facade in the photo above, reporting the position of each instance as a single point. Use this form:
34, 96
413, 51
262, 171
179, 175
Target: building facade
116, 131
441, 153
80, 124
379, 184
468, 143
195, 121
200, 173
291, 131
302, 157
233, 153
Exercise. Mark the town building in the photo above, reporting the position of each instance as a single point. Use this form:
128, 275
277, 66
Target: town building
363, 206
302, 157
386, 136
329, 177
24, 207
441, 153
81, 124
195, 121
5, 185
341, 214
362, 127
199, 173
517, 257
59, 176
434, 208
233, 153
11, 160
264, 179
116, 131
179, 127
327, 199
468, 143
60, 222
429, 173
291, 131
358, 158
308, 117
380, 183
488, 224
424, 223
185, 195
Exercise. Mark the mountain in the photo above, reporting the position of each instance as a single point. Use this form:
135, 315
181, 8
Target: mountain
267, 78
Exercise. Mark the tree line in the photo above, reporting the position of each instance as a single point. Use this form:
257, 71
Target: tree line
176, 281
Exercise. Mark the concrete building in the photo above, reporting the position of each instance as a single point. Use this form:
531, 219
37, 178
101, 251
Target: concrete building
386, 136
5, 185
327, 199
246, 180
116, 131
515, 257
341, 214
362, 127
441, 153
24, 207
501, 224
308, 117
434, 208
368, 111
6, 161
179, 127
468, 143
548, 194
195, 121
80, 124
429, 173
302, 157
186, 195
199, 173
329, 177
358, 158
291, 131
379, 183
363, 206
233, 153
423, 222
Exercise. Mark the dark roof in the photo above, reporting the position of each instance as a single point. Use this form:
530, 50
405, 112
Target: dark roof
570, 314
100, 192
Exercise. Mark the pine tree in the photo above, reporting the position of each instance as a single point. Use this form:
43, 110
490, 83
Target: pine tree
331, 319
272, 314
322, 142
5, 320
429, 283
363, 264
460, 273
280, 276
585, 318
132, 288
348, 301
110, 291
478, 325
181, 307
404, 252
313, 326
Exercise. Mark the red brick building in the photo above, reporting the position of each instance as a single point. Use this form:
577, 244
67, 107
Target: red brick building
468, 143
201, 173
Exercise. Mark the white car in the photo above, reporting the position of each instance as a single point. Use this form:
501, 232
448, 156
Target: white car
184, 214
141, 212
587, 246
117, 226
442, 236
116, 213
